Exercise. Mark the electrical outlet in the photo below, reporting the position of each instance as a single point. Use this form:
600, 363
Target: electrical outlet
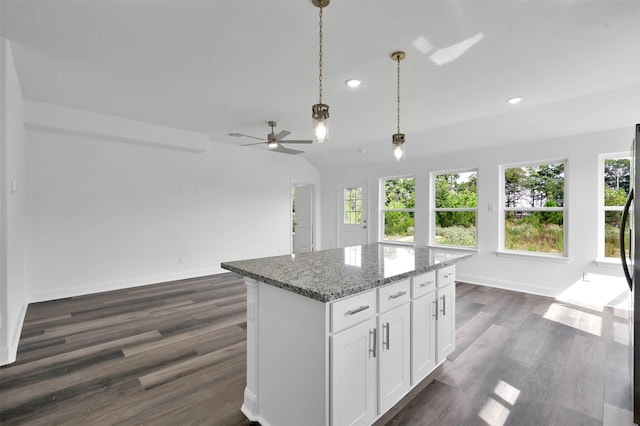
181, 259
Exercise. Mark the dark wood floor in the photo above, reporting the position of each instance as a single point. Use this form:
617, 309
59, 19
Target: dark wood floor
174, 354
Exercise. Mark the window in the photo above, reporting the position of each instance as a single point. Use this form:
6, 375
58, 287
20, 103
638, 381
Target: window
616, 176
398, 209
455, 211
534, 209
352, 206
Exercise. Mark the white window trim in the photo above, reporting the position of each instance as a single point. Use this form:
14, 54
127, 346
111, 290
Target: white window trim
382, 210
434, 209
535, 255
600, 257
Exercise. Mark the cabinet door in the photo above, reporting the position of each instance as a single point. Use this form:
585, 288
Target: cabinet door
395, 345
353, 375
446, 323
423, 337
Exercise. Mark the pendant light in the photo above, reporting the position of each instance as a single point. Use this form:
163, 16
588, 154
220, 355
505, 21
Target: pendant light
398, 139
320, 111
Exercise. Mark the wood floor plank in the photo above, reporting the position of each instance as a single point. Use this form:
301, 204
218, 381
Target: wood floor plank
582, 384
175, 353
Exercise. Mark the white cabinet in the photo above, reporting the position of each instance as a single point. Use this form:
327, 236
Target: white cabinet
353, 375
423, 336
446, 315
371, 360
348, 361
432, 321
394, 328
446, 322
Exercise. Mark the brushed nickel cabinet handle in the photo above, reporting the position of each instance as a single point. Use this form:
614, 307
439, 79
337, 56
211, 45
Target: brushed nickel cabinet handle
435, 302
444, 306
356, 310
398, 294
426, 284
373, 339
388, 327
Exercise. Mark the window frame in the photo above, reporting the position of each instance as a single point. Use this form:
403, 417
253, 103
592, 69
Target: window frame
383, 209
352, 212
502, 250
434, 210
602, 209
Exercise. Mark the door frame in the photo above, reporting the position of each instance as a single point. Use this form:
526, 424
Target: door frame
313, 213
362, 183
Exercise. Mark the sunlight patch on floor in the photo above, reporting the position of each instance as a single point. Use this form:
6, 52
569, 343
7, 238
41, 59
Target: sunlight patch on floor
495, 411
574, 317
595, 291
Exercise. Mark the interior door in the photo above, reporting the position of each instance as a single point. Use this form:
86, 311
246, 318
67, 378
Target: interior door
303, 218
353, 228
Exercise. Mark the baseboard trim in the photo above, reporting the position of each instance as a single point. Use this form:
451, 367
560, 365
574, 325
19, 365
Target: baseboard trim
61, 293
508, 285
8, 354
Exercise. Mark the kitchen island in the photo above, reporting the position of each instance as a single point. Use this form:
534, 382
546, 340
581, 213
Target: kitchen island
337, 337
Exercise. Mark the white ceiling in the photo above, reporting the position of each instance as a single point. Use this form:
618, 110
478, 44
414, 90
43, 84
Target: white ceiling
230, 66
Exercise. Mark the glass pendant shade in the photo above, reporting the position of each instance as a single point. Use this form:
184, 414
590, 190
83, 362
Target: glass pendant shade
398, 146
320, 123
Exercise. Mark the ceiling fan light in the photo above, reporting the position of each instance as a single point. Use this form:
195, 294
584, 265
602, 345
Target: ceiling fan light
272, 144
320, 114
398, 146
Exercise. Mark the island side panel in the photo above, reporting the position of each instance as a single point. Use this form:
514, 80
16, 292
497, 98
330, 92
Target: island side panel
250, 406
293, 361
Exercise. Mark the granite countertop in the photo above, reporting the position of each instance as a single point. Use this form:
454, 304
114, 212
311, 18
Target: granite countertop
328, 275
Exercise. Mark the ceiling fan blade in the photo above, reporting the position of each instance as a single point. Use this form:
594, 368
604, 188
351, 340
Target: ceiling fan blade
282, 134
296, 141
257, 143
284, 150
237, 135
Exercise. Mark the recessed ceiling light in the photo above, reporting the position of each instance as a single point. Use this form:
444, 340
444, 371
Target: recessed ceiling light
353, 82
515, 100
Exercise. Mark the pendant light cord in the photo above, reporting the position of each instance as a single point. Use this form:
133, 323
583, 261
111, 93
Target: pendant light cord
398, 118
320, 59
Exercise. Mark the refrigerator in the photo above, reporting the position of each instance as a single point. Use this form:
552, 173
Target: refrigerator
630, 257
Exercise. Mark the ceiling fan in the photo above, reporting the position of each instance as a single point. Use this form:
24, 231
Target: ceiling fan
274, 141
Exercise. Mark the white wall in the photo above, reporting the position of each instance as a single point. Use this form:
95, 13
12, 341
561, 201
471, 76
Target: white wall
104, 214
13, 303
536, 276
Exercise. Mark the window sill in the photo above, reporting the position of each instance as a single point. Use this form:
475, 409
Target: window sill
608, 262
454, 248
397, 243
534, 256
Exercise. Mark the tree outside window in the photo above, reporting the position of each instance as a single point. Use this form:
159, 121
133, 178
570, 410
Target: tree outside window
534, 208
398, 211
617, 176
456, 208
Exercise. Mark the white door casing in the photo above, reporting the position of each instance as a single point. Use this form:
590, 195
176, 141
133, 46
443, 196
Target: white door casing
353, 229
303, 240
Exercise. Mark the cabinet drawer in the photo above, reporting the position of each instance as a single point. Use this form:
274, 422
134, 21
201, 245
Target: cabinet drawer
352, 310
423, 284
446, 276
394, 295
